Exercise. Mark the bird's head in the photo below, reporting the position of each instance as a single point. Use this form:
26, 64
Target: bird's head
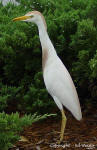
33, 16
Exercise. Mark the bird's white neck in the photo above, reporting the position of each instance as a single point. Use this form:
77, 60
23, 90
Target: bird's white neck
44, 39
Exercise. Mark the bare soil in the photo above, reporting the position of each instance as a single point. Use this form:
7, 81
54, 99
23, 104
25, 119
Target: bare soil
79, 135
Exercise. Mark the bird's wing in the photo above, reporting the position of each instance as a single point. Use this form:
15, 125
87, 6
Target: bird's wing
59, 84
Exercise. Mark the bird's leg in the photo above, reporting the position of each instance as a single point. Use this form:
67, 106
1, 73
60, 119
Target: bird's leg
62, 126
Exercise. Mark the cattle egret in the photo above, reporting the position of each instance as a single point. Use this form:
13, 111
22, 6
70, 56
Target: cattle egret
57, 80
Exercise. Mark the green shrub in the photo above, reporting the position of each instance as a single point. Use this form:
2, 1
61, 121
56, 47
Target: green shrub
9, 95
12, 125
29, 100
37, 100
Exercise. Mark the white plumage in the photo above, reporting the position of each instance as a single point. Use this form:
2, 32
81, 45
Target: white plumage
56, 77
60, 85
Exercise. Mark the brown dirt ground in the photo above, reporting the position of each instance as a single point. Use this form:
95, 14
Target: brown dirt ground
43, 135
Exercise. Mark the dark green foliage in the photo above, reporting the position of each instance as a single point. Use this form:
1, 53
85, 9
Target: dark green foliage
9, 95
72, 27
36, 98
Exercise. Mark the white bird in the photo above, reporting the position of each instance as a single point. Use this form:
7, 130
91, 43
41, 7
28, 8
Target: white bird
57, 80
